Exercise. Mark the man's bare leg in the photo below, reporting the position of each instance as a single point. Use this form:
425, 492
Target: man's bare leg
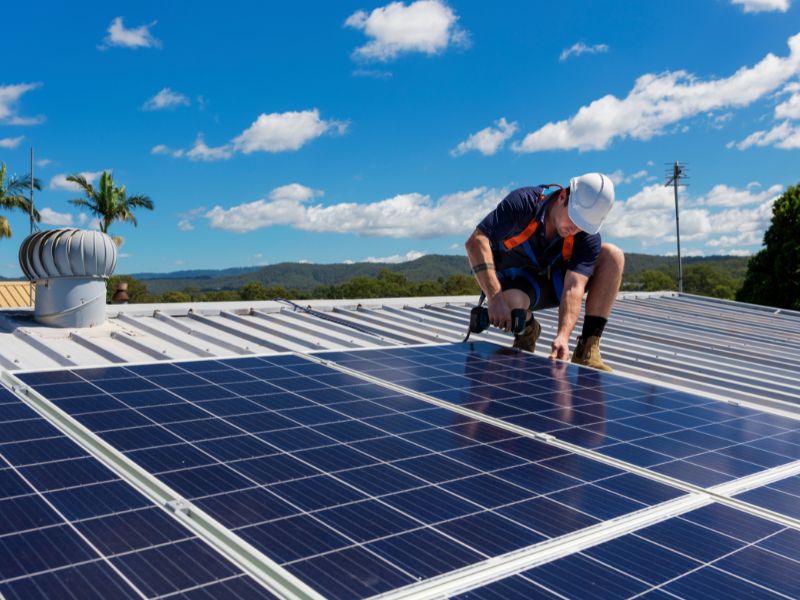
605, 281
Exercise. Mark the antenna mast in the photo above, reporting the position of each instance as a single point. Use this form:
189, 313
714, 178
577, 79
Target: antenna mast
676, 173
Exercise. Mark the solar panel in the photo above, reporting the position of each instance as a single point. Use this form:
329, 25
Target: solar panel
690, 438
351, 486
781, 496
70, 527
715, 551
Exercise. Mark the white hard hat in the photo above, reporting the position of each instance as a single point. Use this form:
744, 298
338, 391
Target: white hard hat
591, 196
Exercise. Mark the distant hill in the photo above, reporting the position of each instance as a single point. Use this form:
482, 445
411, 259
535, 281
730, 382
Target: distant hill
306, 277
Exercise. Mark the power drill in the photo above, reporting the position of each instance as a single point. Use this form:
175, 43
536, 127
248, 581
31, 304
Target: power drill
479, 319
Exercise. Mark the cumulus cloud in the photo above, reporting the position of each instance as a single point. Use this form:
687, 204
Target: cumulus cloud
405, 215
274, 132
59, 182
581, 48
396, 258
618, 177
186, 219
789, 109
43, 162
425, 26
11, 143
135, 37
487, 141
756, 6
785, 135
281, 132
166, 99
722, 218
657, 101
51, 217
9, 104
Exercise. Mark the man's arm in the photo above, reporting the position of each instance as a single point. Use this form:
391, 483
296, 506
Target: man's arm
479, 253
568, 312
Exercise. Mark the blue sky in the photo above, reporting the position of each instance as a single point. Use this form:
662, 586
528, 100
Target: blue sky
350, 131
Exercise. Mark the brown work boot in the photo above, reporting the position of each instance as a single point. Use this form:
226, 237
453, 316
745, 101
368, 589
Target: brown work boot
587, 353
527, 339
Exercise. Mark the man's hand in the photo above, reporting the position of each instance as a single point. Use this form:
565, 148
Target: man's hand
500, 313
560, 348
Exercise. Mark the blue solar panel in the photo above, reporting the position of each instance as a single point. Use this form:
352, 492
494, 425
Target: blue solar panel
337, 472
781, 496
712, 552
687, 437
69, 526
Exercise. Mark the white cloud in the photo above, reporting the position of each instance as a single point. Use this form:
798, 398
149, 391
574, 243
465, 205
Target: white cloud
405, 215
723, 217
581, 48
426, 26
59, 182
11, 143
396, 258
166, 99
657, 101
202, 152
618, 177
51, 217
789, 109
136, 37
755, 6
43, 162
9, 102
186, 219
487, 141
784, 135
281, 132
166, 150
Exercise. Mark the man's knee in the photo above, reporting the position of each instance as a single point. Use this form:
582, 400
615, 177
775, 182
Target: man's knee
612, 256
516, 299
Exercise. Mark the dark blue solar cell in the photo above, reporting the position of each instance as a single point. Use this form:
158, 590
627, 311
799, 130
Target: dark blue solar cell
256, 505
48, 377
538, 479
765, 568
97, 500
202, 392
548, 517
182, 456
665, 445
65, 474
691, 473
435, 468
378, 480
511, 588
314, 493
76, 405
15, 412
293, 538
154, 369
754, 455
529, 449
442, 417
279, 401
128, 384
206, 429
363, 409
131, 531
724, 464
274, 468
424, 553
786, 543
576, 576
488, 490
536, 422
712, 583
596, 501
490, 534
351, 573
261, 421
732, 522
345, 431
780, 502
230, 376
649, 424
140, 437
635, 454
367, 520
441, 440
204, 481
690, 539
398, 424
144, 398
581, 467
326, 395
25, 512
41, 549
177, 380
627, 553
38, 451
641, 489
125, 418
699, 439
431, 504
238, 587
312, 415
335, 458
390, 448
485, 458
173, 412
790, 485
238, 447
105, 583
778, 446
19, 431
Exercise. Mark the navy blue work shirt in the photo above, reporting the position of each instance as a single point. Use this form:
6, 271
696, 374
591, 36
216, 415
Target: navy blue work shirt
514, 213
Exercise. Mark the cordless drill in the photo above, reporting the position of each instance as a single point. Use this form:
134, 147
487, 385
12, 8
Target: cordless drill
479, 319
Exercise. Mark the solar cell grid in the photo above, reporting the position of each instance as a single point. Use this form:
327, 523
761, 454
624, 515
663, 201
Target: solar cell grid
285, 476
781, 496
69, 526
693, 439
714, 551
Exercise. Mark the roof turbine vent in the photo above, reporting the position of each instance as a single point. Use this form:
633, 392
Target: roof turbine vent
70, 268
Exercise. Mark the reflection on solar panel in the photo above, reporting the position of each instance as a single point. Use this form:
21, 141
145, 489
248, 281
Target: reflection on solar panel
711, 552
69, 527
352, 487
693, 439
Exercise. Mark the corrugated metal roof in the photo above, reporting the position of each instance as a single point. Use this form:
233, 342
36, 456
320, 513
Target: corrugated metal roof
15, 294
722, 349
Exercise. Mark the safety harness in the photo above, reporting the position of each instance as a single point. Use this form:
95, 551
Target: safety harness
523, 239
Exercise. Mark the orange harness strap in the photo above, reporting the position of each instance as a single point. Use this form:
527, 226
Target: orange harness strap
522, 236
566, 249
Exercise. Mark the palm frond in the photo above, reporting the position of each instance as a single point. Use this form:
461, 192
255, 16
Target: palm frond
140, 201
5, 228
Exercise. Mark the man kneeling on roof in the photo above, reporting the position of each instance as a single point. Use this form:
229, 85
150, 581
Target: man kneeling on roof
538, 250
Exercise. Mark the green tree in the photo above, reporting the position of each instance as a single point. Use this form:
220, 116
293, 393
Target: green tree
12, 197
707, 281
773, 274
655, 281
108, 202
176, 297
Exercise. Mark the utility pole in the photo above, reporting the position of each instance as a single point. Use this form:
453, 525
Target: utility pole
676, 174
33, 225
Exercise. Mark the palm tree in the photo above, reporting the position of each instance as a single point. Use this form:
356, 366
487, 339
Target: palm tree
11, 197
108, 202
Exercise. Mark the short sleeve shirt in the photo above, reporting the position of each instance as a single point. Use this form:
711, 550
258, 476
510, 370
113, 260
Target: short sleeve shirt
513, 214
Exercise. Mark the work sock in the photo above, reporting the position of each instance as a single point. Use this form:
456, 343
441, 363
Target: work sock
593, 326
